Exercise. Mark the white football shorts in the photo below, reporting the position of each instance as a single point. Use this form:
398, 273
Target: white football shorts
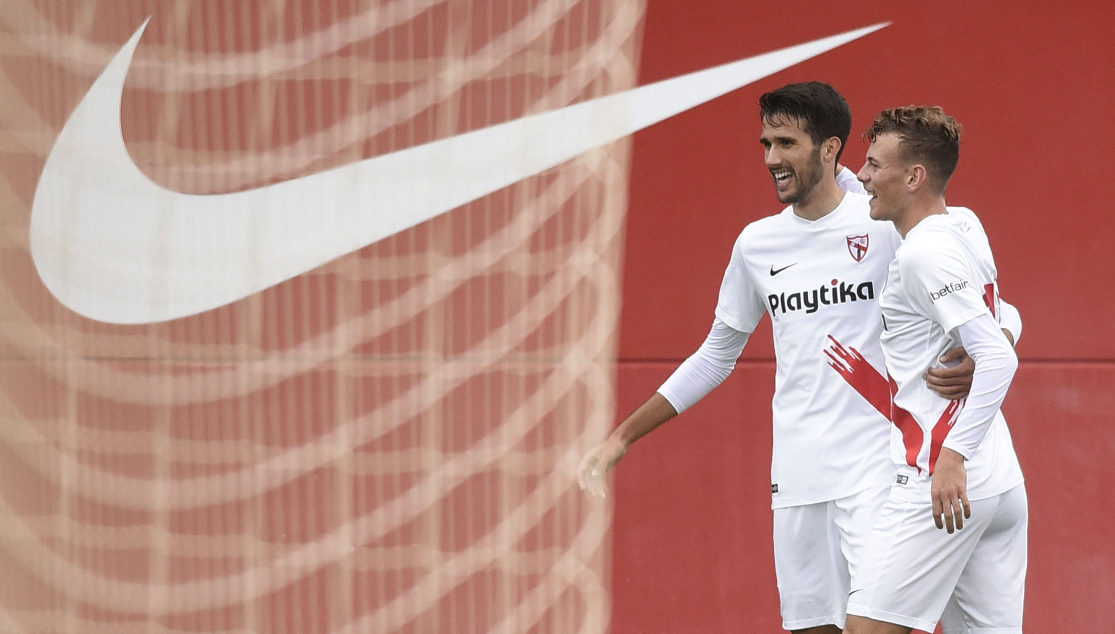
816, 550
914, 574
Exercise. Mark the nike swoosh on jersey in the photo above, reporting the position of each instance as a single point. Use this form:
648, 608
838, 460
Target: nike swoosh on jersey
774, 272
113, 246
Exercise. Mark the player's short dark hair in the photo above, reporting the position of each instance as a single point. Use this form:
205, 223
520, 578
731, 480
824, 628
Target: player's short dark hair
927, 135
821, 111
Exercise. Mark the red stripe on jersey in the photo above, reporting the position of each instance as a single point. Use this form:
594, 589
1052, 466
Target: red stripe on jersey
861, 375
912, 435
879, 392
991, 298
941, 431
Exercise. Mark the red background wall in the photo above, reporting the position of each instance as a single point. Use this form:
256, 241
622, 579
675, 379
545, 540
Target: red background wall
1033, 83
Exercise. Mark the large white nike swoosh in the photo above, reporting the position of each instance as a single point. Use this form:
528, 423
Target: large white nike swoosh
113, 246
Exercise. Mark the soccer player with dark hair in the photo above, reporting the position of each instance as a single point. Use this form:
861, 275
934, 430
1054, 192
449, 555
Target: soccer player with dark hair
817, 268
955, 460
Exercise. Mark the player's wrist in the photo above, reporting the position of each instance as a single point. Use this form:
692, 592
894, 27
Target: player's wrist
951, 456
619, 438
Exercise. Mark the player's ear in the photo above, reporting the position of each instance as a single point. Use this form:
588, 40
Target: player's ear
830, 148
916, 177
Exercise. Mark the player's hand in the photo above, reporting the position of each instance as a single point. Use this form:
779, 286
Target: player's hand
597, 463
1010, 337
953, 382
950, 491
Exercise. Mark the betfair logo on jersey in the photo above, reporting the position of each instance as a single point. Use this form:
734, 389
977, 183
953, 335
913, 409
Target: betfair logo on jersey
951, 287
811, 301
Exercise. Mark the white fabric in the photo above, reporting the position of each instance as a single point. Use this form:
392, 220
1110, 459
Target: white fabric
847, 180
944, 276
914, 574
1010, 319
817, 548
714, 361
706, 368
829, 442
995, 367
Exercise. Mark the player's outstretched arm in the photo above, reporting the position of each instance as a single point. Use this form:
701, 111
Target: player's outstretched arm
603, 458
697, 376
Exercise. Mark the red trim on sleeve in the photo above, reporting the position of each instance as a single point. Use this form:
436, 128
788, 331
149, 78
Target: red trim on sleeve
991, 298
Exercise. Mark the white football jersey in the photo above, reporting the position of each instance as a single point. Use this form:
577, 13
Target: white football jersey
943, 275
820, 281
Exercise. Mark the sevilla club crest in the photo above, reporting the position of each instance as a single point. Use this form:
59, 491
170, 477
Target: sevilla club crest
857, 246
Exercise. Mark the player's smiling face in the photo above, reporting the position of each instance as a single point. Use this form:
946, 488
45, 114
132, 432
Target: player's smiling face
792, 158
884, 177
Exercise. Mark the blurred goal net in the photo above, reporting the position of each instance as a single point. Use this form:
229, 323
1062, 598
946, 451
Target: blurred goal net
386, 443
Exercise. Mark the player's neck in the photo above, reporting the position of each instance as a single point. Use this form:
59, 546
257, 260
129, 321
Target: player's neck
820, 202
918, 211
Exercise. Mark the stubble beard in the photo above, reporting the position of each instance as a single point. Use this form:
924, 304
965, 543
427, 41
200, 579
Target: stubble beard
808, 180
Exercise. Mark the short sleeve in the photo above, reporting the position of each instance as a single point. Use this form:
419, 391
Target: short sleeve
740, 305
938, 280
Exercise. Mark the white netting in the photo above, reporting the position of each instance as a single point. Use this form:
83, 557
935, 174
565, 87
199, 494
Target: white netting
384, 444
